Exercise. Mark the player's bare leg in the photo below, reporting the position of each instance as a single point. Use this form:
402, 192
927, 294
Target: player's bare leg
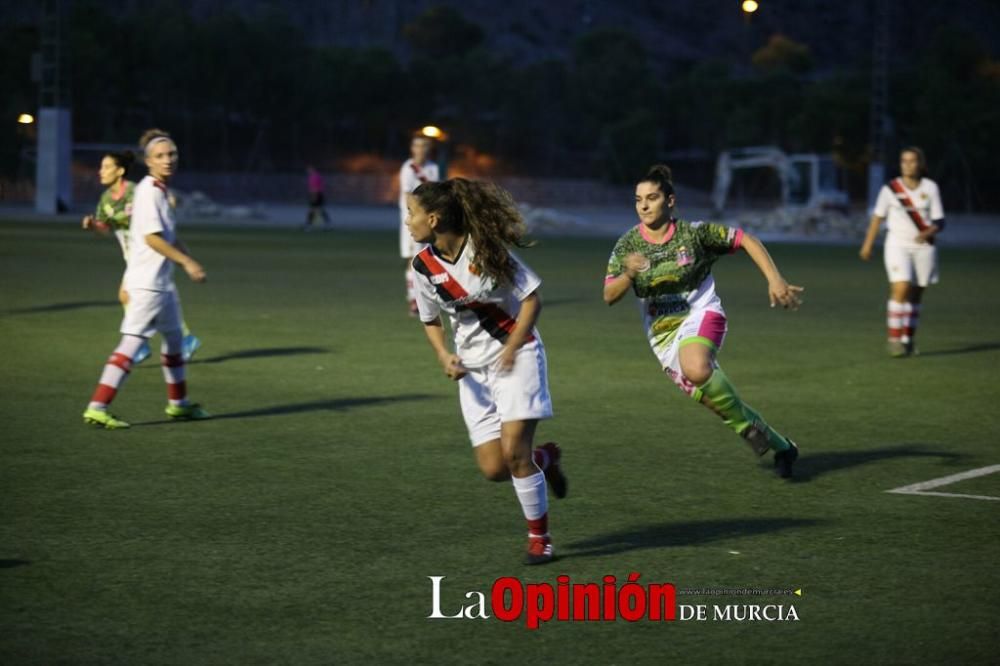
715, 391
529, 485
547, 457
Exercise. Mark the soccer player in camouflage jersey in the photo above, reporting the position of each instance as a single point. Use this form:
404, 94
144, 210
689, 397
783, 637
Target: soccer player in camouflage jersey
114, 209
667, 263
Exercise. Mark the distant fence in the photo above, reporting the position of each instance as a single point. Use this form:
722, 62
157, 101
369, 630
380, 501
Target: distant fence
343, 188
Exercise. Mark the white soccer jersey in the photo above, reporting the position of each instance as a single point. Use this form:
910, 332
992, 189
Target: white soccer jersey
151, 214
902, 231
481, 315
410, 176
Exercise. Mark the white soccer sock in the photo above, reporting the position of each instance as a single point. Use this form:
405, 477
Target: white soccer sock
905, 310
894, 319
532, 496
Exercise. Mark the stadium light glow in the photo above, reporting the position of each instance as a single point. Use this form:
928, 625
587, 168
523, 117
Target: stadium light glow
432, 132
750, 6
25, 119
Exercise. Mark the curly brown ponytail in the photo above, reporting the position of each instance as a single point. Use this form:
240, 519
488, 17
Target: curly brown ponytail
484, 211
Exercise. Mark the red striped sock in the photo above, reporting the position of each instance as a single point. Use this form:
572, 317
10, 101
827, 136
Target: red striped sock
539, 527
894, 320
114, 374
173, 373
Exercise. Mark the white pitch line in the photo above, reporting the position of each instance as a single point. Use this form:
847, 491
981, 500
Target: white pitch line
922, 487
917, 492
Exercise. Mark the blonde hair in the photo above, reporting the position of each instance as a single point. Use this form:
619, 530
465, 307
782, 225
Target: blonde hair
150, 136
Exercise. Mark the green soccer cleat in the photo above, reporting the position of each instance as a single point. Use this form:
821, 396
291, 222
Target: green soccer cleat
192, 412
104, 420
897, 349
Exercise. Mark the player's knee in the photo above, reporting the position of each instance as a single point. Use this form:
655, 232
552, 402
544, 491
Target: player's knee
698, 373
498, 472
516, 460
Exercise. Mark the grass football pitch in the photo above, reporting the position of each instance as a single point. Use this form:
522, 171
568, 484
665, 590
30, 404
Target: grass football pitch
301, 524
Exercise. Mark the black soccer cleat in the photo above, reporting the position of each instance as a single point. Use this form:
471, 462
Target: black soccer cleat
553, 473
783, 460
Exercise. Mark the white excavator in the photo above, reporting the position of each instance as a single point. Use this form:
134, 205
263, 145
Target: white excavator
812, 199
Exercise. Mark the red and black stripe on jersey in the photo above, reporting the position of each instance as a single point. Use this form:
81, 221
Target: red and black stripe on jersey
418, 172
911, 210
904, 199
491, 317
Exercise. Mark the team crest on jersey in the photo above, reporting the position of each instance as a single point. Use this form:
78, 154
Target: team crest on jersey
473, 268
683, 258
440, 278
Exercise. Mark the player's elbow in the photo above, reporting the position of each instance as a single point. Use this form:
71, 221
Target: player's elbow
610, 298
537, 301
749, 241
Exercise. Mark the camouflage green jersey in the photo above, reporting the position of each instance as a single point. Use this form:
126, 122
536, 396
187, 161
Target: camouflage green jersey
115, 210
679, 279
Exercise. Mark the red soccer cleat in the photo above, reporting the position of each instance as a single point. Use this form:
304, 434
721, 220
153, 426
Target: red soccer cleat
539, 550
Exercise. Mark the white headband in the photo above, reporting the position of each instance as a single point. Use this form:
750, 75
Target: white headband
155, 139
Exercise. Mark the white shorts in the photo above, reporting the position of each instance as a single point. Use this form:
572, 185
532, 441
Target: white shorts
489, 397
914, 264
408, 248
706, 327
151, 311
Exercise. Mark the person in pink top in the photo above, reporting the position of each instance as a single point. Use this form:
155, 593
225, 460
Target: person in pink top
314, 182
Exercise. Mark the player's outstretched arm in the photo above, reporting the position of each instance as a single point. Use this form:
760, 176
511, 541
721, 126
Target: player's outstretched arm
190, 266
778, 290
450, 362
866, 248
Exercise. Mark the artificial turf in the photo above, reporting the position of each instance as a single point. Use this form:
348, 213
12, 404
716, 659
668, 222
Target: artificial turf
301, 524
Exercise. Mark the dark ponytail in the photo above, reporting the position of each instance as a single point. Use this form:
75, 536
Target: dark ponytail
660, 174
122, 160
484, 211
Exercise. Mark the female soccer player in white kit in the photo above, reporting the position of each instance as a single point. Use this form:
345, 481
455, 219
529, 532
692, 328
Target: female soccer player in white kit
153, 302
491, 299
416, 170
912, 206
114, 213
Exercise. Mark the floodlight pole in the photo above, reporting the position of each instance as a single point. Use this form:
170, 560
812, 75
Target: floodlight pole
53, 183
879, 113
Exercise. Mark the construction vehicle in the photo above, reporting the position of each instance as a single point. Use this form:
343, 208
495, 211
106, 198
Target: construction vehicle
811, 199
